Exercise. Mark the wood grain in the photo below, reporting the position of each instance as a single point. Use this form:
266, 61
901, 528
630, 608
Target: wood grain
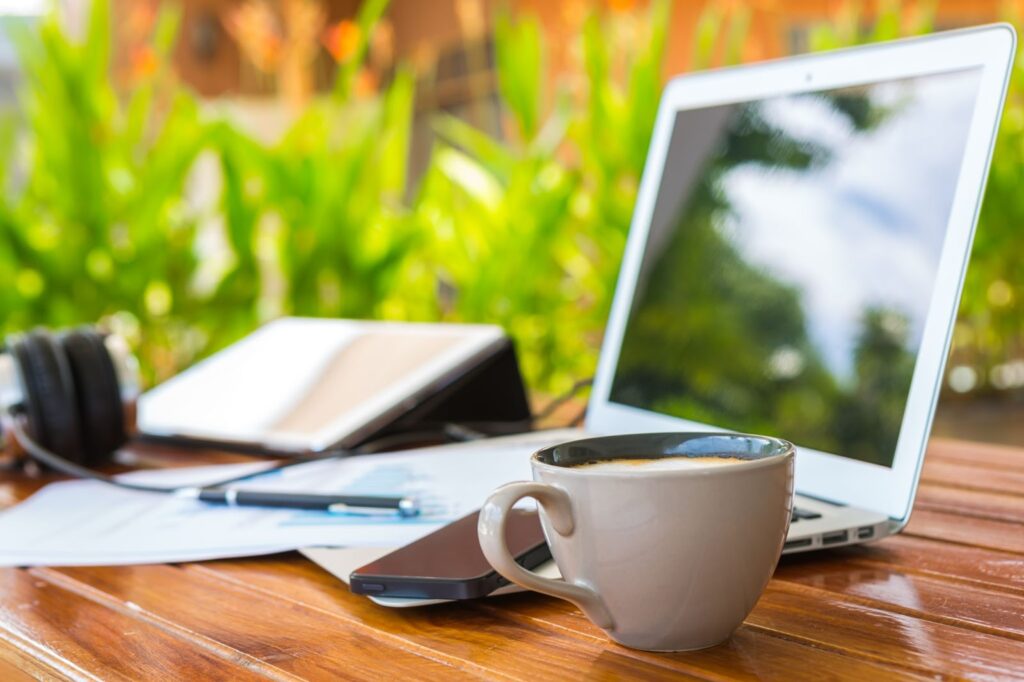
303, 643
76, 636
952, 602
752, 654
959, 563
977, 503
972, 477
944, 599
980, 455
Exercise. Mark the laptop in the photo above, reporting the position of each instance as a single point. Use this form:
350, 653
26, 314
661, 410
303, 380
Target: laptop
795, 262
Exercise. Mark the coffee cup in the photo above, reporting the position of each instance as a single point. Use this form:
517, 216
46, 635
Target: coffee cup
664, 540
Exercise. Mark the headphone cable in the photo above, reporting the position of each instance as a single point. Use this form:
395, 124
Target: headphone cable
58, 463
54, 461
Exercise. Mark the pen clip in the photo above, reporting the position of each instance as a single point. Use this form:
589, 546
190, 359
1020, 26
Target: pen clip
406, 508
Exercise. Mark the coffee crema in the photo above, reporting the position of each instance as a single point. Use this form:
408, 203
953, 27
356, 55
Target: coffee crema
656, 463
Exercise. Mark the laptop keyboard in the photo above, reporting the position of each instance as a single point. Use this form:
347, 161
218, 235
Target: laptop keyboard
801, 514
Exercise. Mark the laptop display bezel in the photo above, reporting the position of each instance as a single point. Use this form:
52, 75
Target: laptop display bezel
820, 474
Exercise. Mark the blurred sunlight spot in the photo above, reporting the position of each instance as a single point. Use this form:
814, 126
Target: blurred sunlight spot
99, 264
1008, 375
1000, 294
125, 325
273, 287
895, 325
44, 237
470, 14
29, 283
1014, 119
205, 184
582, 206
121, 179
329, 288
121, 240
214, 255
158, 298
963, 335
471, 177
962, 379
550, 176
785, 363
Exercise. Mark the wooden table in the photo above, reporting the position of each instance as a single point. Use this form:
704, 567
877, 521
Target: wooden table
945, 598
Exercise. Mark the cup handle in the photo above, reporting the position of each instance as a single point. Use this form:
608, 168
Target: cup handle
491, 531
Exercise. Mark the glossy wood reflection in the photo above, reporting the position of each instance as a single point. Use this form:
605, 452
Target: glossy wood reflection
946, 598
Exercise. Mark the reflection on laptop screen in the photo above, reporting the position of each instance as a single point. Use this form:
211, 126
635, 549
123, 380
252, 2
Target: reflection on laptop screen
790, 262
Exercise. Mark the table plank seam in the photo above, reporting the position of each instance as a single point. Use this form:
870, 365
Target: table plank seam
45, 655
911, 671
944, 577
997, 467
390, 638
961, 509
960, 543
891, 607
19, 665
1011, 463
218, 649
958, 485
967, 513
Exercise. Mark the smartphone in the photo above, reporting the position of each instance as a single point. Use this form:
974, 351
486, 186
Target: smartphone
449, 564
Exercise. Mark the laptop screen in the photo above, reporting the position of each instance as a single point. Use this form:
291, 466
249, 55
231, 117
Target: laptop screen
790, 262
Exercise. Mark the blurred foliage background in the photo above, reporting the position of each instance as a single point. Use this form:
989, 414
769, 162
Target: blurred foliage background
348, 187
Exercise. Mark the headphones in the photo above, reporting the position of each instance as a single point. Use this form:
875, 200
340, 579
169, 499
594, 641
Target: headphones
66, 393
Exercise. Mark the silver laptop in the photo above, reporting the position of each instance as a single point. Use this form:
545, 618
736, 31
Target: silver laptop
795, 262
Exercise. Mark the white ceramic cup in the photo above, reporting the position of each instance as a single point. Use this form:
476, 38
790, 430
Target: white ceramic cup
662, 560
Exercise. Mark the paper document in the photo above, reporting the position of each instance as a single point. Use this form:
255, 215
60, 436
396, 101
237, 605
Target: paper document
79, 523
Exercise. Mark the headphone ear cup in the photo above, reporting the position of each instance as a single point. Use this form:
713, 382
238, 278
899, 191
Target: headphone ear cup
49, 394
97, 395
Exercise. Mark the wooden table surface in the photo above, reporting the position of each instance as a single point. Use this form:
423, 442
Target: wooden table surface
943, 599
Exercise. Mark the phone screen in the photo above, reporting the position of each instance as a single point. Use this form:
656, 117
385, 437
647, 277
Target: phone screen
449, 564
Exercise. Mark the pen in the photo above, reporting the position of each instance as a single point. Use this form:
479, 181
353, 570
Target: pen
337, 504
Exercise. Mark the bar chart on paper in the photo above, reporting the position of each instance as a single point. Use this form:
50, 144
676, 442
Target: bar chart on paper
386, 479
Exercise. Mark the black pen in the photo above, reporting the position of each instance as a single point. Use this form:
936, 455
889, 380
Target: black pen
337, 504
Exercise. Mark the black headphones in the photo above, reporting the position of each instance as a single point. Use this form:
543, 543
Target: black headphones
67, 390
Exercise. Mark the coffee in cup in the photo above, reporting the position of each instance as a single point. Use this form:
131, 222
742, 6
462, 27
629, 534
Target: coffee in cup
655, 464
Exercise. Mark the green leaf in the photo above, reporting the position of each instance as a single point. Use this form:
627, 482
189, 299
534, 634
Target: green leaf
520, 63
498, 160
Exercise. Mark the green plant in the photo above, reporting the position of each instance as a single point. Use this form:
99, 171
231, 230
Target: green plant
990, 329
103, 224
527, 232
99, 216
327, 199
95, 221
